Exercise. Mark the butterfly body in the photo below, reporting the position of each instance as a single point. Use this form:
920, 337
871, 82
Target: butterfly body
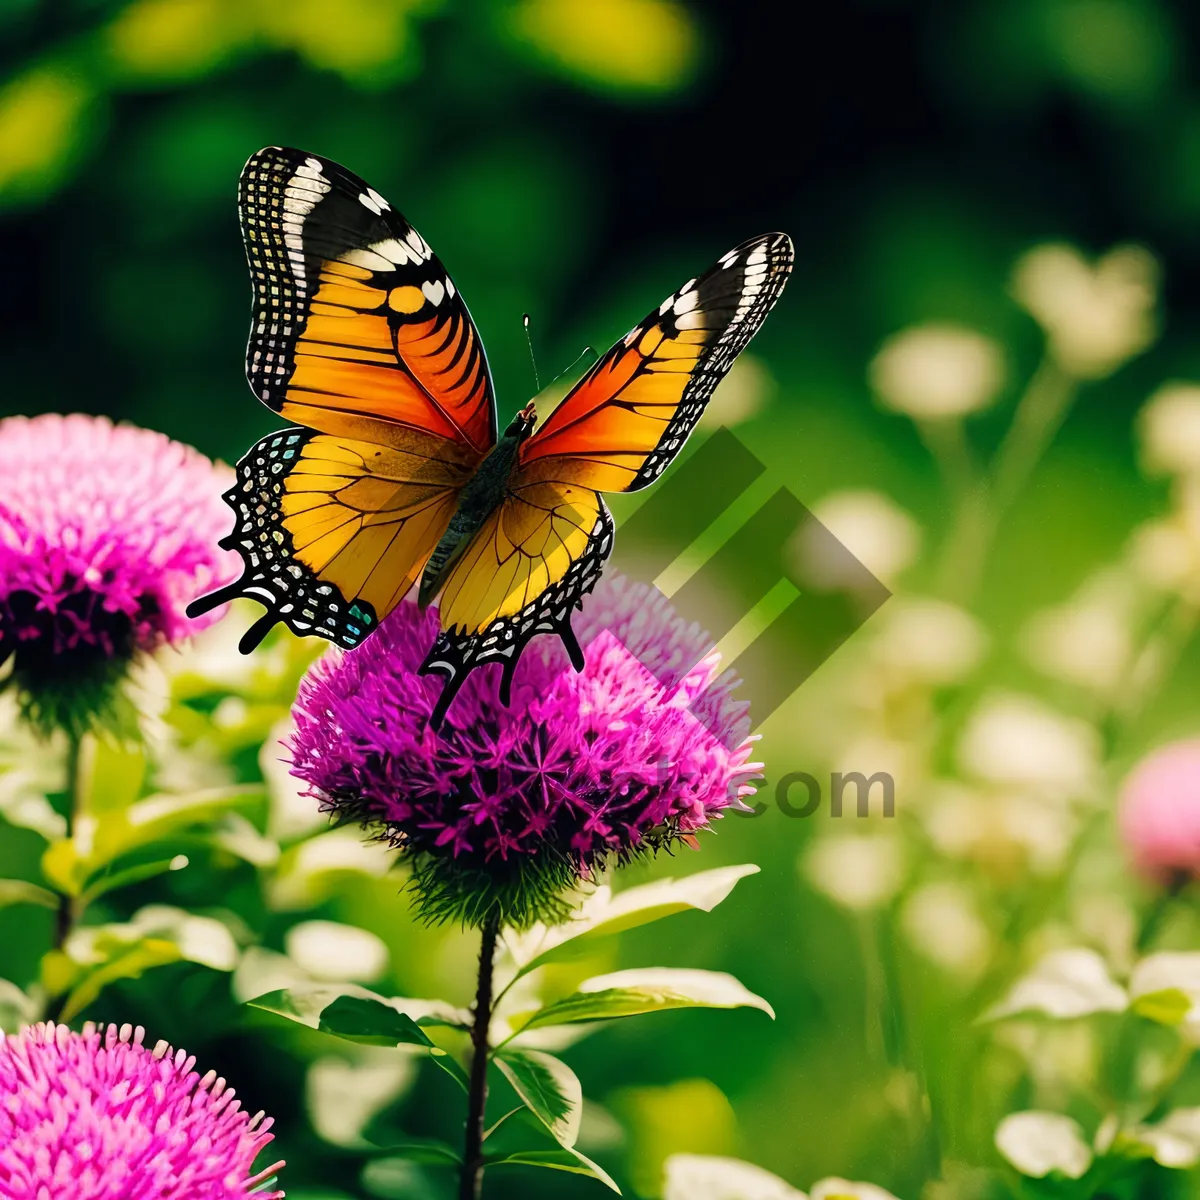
393, 472
483, 494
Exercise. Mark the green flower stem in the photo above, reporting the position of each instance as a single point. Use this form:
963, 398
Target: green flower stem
471, 1176
68, 911
983, 504
1159, 907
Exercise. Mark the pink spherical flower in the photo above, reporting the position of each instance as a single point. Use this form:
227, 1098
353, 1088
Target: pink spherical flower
504, 807
106, 532
1160, 811
98, 1116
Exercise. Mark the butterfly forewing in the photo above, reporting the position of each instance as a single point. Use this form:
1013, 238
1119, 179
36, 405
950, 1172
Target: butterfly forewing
629, 416
359, 335
354, 316
544, 547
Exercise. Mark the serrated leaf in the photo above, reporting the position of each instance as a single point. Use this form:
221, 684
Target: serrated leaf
603, 914
643, 990
1064, 984
358, 1015
370, 1023
21, 891
562, 1159
549, 1088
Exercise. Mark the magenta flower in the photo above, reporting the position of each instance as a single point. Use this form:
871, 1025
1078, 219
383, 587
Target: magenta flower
98, 1116
1160, 812
106, 532
504, 807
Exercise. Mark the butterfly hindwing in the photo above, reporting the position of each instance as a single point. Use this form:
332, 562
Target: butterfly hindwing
354, 316
623, 423
524, 572
332, 532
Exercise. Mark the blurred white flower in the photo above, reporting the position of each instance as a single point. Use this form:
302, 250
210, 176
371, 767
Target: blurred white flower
1107, 921
294, 812
308, 872
943, 923
741, 395
870, 525
1096, 316
857, 871
710, 1177
262, 971
928, 641
1169, 426
1174, 1141
1041, 1143
1166, 554
1066, 983
343, 1093
332, 952
1017, 740
937, 370
1087, 642
834, 1188
1005, 832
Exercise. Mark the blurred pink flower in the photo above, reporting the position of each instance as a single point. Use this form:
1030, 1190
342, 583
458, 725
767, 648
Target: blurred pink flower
106, 532
97, 1116
641, 749
1160, 811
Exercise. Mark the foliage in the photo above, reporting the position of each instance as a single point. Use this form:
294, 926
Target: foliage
975, 380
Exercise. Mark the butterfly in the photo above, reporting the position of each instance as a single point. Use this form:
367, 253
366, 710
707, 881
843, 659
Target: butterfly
393, 473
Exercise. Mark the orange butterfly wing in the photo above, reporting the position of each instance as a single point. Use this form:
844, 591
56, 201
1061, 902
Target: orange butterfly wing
360, 336
544, 546
623, 423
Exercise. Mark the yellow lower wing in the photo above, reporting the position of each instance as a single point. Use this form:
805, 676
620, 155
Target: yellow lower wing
524, 571
334, 531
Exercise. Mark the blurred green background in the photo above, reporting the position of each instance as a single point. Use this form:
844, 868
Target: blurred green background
577, 160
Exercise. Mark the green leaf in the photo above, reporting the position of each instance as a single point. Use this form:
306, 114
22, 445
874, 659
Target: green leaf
111, 774
305, 1003
129, 963
1169, 1006
603, 914
1165, 987
358, 1015
562, 1159
63, 868
651, 989
159, 817
423, 1150
20, 891
370, 1023
69, 864
128, 876
549, 1088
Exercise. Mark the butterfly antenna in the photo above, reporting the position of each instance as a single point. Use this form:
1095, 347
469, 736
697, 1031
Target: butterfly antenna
584, 353
537, 386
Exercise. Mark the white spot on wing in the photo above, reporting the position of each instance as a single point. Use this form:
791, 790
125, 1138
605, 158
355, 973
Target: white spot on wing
434, 291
